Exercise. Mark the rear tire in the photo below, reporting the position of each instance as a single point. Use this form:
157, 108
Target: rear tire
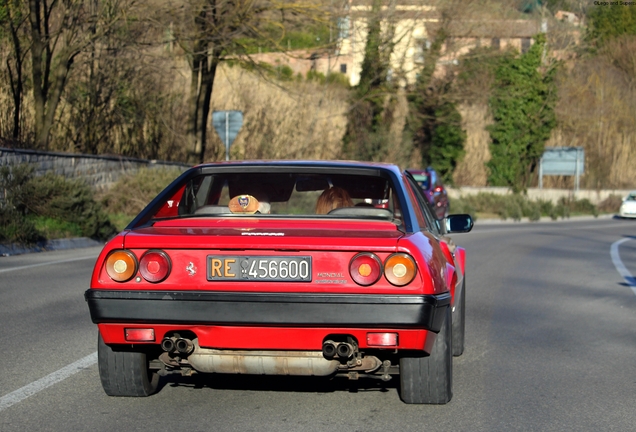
125, 373
429, 380
459, 322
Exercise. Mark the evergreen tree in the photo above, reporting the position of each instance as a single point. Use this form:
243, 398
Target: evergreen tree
368, 122
608, 22
434, 124
522, 104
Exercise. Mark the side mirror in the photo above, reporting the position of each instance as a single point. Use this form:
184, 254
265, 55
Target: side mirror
459, 223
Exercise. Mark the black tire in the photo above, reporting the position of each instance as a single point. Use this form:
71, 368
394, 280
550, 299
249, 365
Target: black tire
125, 373
429, 380
459, 322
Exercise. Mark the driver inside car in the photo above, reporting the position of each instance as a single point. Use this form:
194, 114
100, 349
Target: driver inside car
333, 198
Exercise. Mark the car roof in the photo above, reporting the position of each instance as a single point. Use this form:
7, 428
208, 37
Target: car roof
304, 163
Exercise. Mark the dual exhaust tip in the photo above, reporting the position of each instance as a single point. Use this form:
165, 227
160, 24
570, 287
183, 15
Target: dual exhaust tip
330, 349
343, 350
172, 344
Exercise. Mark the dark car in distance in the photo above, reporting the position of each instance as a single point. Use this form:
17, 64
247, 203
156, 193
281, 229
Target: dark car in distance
433, 189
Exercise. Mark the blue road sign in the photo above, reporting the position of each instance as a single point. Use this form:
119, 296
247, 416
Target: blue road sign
227, 124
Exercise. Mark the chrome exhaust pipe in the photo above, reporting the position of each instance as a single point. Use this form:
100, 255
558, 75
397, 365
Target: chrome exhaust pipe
328, 349
167, 344
184, 346
345, 350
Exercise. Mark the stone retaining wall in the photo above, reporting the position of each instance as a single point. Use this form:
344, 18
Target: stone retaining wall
99, 172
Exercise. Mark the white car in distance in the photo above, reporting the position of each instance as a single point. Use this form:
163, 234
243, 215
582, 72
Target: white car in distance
628, 207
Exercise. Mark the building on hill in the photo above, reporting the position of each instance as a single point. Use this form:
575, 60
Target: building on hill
415, 27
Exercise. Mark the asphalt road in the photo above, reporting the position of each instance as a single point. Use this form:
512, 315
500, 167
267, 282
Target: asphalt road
550, 336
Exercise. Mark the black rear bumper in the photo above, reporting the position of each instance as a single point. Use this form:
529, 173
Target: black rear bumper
280, 309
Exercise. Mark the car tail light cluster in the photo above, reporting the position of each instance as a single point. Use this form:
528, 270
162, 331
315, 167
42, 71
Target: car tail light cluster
154, 266
122, 265
367, 268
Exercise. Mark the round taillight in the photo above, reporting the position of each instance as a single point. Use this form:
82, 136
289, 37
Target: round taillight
154, 266
365, 268
399, 269
121, 265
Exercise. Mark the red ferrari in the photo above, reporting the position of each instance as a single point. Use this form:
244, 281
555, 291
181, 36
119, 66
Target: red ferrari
283, 268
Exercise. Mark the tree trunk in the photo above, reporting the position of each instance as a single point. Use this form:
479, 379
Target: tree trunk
48, 80
194, 105
39, 89
15, 76
201, 84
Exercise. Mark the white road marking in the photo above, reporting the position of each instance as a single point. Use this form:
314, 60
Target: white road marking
47, 263
37, 386
622, 270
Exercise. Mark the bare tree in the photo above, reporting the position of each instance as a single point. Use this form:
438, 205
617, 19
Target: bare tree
13, 23
212, 31
59, 32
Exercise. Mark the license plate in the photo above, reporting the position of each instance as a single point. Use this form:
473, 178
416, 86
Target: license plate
259, 268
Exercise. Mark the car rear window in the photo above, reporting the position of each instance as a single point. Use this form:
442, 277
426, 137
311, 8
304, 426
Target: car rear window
422, 179
281, 194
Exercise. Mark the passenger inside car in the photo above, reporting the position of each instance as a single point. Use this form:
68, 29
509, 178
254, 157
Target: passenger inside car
264, 207
332, 198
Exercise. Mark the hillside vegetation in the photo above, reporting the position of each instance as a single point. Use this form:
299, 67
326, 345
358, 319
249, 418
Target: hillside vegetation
128, 79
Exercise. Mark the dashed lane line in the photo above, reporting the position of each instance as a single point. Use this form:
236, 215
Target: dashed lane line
620, 267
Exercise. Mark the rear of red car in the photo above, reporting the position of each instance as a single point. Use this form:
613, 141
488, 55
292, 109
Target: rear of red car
351, 293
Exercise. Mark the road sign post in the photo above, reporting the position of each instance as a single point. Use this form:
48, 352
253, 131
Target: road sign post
227, 124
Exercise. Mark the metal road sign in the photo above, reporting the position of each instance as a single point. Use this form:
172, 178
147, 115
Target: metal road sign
568, 161
227, 124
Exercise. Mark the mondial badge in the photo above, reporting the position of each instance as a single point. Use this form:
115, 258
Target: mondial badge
243, 204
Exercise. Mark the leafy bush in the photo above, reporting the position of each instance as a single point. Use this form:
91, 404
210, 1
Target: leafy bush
132, 193
611, 204
578, 206
14, 226
52, 228
35, 206
284, 73
606, 23
313, 75
463, 206
16, 229
517, 206
338, 78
